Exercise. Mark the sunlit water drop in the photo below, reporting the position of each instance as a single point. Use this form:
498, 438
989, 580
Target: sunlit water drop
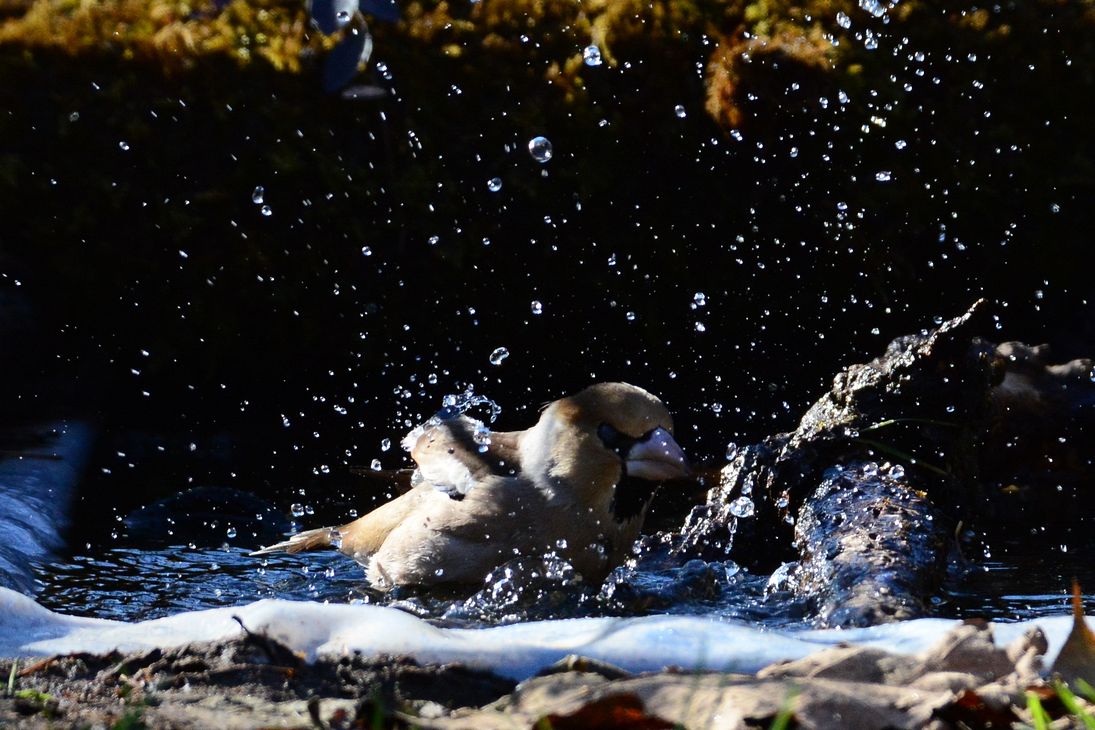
537, 307
742, 507
499, 354
258, 195
679, 110
494, 184
540, 149
591, 54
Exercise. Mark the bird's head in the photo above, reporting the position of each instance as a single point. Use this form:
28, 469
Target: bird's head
604, 439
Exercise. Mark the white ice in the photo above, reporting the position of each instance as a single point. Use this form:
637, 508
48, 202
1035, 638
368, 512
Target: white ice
518, 651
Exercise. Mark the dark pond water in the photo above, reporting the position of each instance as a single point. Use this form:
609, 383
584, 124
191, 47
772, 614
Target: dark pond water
134, 584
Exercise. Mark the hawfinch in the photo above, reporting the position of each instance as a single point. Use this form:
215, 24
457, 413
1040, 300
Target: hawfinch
578, 484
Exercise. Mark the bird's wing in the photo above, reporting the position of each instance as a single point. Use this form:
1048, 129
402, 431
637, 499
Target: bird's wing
460, 541
365, 535
457, 454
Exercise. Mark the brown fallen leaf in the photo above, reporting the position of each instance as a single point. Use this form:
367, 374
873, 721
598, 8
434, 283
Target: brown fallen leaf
622, 711
1077, 657
969, 710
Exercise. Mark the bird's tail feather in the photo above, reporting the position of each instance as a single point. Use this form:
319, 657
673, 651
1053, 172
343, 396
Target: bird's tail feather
307, 540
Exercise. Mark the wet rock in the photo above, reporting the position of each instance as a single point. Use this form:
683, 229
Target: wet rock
39, 467
871, 548
1040, 436
870, 543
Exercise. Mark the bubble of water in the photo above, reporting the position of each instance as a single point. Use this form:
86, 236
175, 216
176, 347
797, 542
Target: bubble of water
499, 354
540, 149
873, 7
699, 299
680, 111
385, 444
870, 469
731, 451
742, 507
481, 436
537, 307
883, 176
897, 471
700, 327
296, 509
230, 532
843, 20
123, 146
630, 316
366, 251
591, 54
375, 465
266, 210
258, 195
494, 184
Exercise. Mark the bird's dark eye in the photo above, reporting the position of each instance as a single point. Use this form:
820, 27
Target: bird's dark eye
621, 443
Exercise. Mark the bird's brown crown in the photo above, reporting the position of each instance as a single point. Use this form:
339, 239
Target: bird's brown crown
627, 408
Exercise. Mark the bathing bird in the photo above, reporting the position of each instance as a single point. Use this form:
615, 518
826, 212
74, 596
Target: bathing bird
577, 484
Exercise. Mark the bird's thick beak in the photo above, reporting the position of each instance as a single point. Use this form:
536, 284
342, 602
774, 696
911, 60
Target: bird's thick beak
657, 458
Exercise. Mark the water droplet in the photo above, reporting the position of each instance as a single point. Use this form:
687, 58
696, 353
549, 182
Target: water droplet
591, 54
537, 307
433, 240
897, 471
231, 532
385, 444
870, 469
499, 354
123, 146
375, 465
540, 149
630, 316
874, 7
296, 509
699, 299
366, 251
731, 451
258, 195
680, 111
883, 176
561, 543
266, 210
742, 507
494, 184
843, 20
700, 327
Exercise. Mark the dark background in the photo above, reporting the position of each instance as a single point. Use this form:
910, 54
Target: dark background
279, 355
